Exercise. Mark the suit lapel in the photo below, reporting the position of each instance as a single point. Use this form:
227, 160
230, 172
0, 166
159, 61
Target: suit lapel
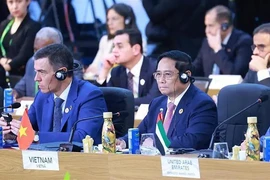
47, 122
72, 96
177, 116
232, 41
143, 76
123, 78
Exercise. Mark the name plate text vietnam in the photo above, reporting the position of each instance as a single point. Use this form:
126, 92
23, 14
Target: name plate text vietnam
40, 160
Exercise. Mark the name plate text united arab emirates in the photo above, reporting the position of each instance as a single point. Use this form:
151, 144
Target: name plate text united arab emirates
180, 167
40, 160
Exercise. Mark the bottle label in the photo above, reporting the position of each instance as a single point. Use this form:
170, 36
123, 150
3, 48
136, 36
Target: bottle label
252, 143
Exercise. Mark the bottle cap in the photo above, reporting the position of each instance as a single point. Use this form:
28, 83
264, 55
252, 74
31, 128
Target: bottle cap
252, 119
107, 115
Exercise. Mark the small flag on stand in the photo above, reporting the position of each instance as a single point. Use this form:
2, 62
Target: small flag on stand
26, 133
160, 132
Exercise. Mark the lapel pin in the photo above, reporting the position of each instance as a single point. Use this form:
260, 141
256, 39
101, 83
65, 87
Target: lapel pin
142, 82
181, 111
70, 107
66, 110
229, 50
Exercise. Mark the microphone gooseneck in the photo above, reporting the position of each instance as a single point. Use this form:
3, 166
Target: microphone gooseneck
260, 100
117, 114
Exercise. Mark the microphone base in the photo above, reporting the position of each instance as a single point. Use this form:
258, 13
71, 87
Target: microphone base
208, 153
68, 147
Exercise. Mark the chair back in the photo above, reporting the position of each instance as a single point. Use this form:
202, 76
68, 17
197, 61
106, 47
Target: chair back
234, 98
120, 99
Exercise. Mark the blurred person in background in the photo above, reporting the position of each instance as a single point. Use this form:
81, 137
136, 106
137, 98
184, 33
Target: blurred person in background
135, 71
226, 50
259, 66
17, 39
177, 24
119, 16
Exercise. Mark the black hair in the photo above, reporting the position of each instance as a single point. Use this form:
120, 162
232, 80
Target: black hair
182, 60
125, 11
135, 36
58, 55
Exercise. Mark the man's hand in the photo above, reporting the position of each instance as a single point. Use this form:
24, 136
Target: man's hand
108, 61
14, 126
107, 64
258, 63
214, 41
121, 143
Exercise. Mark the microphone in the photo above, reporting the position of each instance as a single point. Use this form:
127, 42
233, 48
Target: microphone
69, 147
12, 106
208, 152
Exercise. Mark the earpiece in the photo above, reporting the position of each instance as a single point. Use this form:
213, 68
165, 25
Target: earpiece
61, 74
184, 77
225, 26
127, 21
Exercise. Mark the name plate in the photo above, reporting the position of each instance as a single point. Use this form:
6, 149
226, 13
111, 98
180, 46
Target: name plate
40, 160
180, 167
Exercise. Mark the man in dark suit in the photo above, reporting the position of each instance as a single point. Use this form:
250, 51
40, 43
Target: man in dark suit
61, 100
27, 86
135, 72
193, 113
226, 50
260, 63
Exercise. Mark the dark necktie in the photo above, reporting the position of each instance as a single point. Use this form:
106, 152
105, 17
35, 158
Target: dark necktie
130, 81
57, 114
169, 115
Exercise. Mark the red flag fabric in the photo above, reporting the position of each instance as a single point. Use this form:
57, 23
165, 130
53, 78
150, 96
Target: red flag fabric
26, 133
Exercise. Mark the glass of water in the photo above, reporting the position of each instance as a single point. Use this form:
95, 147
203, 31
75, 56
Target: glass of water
148, 144
221, 151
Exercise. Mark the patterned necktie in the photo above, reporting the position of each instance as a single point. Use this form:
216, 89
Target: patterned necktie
169, 115
57, 114
130, 81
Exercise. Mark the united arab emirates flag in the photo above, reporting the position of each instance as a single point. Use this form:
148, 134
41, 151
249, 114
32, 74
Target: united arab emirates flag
160, 132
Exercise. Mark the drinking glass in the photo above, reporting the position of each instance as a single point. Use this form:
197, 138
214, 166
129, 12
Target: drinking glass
221, 151
148, 144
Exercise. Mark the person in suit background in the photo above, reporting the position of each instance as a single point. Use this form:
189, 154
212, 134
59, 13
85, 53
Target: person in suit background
119, 16
226, 50
135, 71
260, 60
27, 86
61, 100
194, 112
177, 24
17, 39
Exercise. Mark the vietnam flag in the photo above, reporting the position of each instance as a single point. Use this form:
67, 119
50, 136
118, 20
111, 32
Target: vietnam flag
26, 133
160, 132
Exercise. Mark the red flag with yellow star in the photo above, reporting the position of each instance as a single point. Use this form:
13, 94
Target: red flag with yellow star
26, 133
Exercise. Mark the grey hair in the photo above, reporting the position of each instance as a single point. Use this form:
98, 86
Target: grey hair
50, 33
